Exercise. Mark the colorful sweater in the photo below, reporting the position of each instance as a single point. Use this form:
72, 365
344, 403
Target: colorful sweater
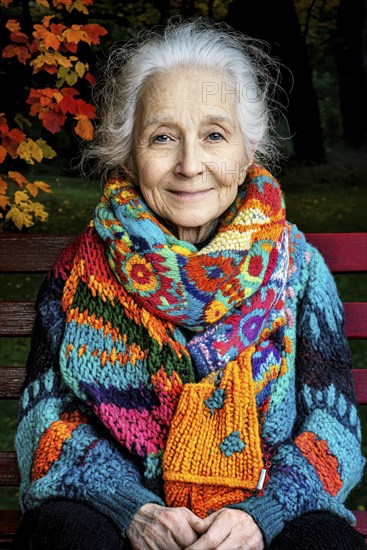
104, 422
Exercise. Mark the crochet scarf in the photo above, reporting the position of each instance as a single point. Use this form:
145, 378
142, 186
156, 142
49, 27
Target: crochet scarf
160, 337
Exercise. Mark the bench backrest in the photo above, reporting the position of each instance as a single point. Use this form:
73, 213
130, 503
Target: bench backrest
343, 252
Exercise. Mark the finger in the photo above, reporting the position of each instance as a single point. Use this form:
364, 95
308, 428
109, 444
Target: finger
232, 542
198, 524
210, 540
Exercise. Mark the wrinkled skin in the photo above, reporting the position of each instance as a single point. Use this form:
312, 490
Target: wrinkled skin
156, 527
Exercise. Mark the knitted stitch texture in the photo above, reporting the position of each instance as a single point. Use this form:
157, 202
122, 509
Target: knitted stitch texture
262, 381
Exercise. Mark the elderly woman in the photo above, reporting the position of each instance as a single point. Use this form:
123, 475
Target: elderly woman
189, 379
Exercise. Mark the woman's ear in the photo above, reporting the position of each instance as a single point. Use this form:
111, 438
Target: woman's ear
243, 173
130, 173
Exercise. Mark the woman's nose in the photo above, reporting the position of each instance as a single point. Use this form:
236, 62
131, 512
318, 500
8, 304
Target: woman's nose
189, 163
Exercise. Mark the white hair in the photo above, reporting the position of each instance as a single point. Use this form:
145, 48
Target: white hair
197, 44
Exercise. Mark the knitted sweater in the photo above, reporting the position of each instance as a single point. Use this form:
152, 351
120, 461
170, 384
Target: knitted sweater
310, 432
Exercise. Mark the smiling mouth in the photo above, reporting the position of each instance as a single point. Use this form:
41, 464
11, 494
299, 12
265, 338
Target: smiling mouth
190, 195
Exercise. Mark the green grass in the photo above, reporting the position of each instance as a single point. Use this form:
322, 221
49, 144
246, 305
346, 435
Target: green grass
326, 198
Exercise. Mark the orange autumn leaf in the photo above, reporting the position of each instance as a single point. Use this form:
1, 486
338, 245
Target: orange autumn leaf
57, 28
3, 153
21, 52
12, 25
11, 141
17, 177
94, 31
46, 21
43, 3
75, 34
47, 39
42, 100
32, 189
43, 186
84, 127
3, 186
4, 202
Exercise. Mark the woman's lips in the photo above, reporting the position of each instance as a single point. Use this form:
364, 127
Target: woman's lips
190, 195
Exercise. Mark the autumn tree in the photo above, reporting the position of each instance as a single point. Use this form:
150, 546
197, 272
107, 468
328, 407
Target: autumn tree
49, 47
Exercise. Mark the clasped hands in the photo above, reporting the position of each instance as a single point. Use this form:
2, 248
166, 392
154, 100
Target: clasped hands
157, 527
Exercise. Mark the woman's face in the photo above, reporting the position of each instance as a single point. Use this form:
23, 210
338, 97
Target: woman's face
188, 150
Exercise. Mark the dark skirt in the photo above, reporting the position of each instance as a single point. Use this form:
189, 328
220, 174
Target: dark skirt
68, 525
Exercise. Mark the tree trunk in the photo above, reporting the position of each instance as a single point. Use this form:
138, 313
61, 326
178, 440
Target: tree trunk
277, 23
352, 83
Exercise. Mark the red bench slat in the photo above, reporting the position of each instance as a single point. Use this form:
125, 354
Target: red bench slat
30, 253
343, 252
355, 319
17, 318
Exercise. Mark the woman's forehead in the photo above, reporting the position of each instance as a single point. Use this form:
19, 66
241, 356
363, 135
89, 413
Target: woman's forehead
201, 92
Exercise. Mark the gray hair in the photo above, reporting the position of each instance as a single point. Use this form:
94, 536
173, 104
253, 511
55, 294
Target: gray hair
197, 44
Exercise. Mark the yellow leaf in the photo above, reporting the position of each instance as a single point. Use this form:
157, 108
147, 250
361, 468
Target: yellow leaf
48, 152
71, 78
43, 3
65, 74
18, 217
80, 69
39, 211
62, 60
30, 151
61, 76
43, 186
21, 196
43, 59
50, 58
24, 152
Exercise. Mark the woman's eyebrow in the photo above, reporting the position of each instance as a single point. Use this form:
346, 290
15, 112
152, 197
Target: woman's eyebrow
157, 120
208, 119
214, 119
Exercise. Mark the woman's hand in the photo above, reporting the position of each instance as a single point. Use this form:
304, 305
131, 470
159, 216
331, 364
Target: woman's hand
156, 527
229, 529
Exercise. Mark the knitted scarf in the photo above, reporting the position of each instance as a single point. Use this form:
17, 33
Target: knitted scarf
148, 315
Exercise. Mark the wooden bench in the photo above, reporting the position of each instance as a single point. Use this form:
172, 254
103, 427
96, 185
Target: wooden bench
26, 254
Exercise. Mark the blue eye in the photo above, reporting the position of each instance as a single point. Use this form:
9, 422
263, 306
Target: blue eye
215, 136
163, 138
